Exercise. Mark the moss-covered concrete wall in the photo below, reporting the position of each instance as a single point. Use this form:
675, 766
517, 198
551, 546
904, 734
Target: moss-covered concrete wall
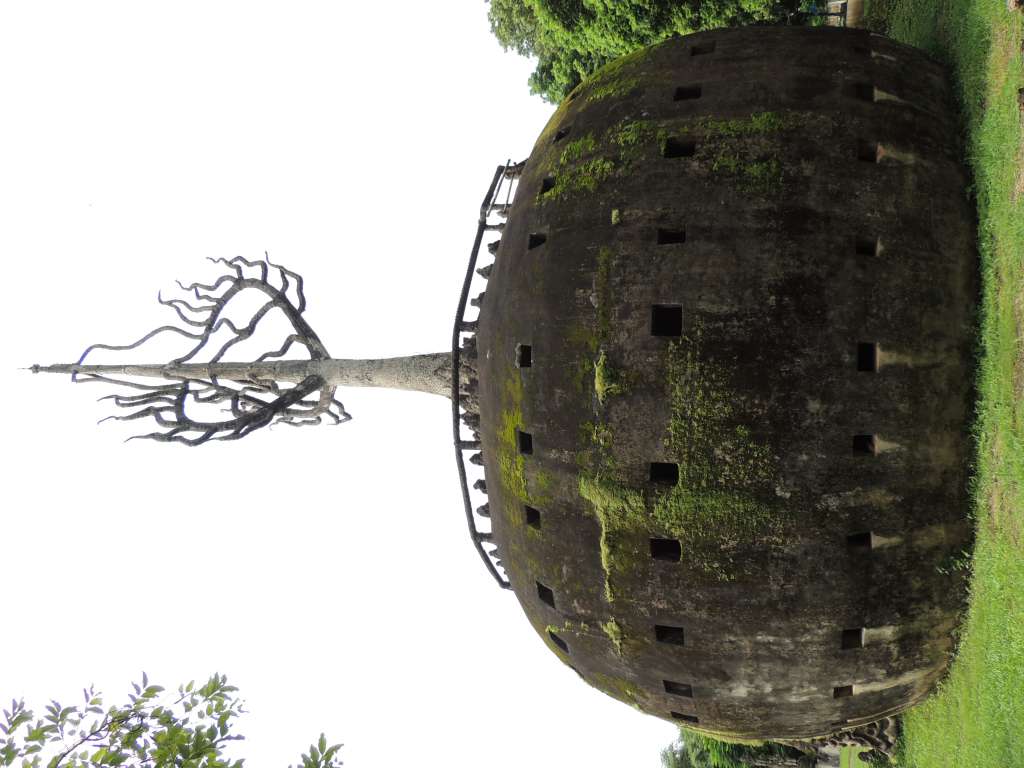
745, 256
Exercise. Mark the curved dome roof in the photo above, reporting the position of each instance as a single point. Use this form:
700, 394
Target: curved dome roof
724, 380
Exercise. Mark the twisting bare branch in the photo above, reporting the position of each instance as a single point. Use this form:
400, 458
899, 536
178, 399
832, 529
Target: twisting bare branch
253, 401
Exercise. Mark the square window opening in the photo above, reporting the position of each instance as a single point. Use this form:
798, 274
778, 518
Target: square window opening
852, 638
866, 246
559, 642
664, 473
860, 542
547, 184
535, 240
684, 718
842, 691
666, 549
562, 133
525, 441
867, 357
666, 320
678, 689
532, 517
545, 594
674, 147
669, 635
864, 445
867, 151
864, 91
687, 92
524, 355
671, 236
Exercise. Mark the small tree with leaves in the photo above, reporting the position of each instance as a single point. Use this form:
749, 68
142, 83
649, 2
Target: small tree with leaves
187, 729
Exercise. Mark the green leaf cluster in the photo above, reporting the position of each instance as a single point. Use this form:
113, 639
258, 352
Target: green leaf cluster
572, 39
189, 729
700, 750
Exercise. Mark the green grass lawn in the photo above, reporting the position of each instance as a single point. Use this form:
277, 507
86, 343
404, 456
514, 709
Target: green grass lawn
977, 717
848, 757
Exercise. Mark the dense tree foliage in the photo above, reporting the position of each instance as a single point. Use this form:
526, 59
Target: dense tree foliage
188, 729
572, 38
696, 750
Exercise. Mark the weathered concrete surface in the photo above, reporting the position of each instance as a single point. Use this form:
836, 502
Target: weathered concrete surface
794, 200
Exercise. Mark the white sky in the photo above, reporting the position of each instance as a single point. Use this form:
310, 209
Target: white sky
327, 572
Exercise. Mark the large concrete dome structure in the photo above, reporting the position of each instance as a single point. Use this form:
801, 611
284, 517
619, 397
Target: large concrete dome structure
724, 380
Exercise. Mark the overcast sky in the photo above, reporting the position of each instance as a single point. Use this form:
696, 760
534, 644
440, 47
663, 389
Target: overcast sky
328, 571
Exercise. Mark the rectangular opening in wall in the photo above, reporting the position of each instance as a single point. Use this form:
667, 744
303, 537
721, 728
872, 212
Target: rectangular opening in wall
564, 646
867, 151
866, 246
842, 691
684, 718
666, 549
524, 355
525, 440
674, 147
853, 638
864, 445
671, 236
669, 635
547, 184
532, 517
535, 240
687, 92
678, 689
545, 594
665, 472
864, 91
867, 357
666, 320
562, 133
860, 542
703, 49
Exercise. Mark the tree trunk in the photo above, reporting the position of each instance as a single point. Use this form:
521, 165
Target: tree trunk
430, 373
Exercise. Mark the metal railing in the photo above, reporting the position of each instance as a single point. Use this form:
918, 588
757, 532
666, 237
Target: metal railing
502, 184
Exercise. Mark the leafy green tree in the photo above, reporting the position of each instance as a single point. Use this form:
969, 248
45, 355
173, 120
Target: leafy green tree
573, 38
189, 729
698, 750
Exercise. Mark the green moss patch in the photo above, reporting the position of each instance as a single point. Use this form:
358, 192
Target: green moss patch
724, 503
619, 689
606, 380
620, 511
510, 461
576, 149
714, 450
572, 179
611, 80
614, 632
739, 148
758, 124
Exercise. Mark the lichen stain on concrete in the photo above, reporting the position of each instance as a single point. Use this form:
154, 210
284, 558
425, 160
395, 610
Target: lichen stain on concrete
885, 446
878, 541
860, 497
915, 678
939, 535
889, 357
888, 154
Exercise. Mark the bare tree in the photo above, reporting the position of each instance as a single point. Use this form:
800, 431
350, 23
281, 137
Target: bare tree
246, 395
